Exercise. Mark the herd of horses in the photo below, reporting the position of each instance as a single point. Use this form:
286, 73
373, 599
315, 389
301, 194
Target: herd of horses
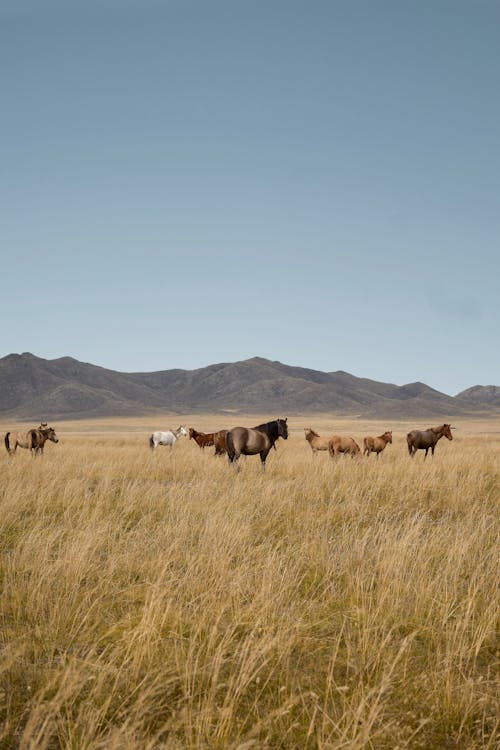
250, 441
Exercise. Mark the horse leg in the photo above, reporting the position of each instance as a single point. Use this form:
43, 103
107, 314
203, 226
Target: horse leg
233, 460
263, 456
426, 452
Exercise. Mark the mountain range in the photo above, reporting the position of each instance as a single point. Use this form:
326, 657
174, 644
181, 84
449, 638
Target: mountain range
32, 388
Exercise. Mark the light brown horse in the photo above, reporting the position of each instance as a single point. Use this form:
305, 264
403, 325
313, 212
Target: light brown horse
376, 444
338, 444
425, 439
33, 439
316, 442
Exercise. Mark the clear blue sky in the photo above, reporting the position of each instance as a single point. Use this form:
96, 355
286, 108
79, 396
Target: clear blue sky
195, 181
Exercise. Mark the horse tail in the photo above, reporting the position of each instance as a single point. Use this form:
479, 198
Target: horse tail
151, 442
409, 442
230, 446
6, 441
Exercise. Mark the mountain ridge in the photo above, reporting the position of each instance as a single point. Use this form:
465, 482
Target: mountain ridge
65, 388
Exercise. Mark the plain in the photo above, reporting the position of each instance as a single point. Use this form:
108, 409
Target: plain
157, 599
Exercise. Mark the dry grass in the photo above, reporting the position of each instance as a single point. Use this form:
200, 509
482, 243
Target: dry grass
161, 601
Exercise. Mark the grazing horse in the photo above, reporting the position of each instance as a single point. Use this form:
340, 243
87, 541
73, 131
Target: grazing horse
33, 439
169, 437
202, 439
376, 444
245, 441
316, 442
425, 439
220, 442
338, 444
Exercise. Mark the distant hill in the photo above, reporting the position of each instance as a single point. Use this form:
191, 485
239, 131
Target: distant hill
32, 388
482, 395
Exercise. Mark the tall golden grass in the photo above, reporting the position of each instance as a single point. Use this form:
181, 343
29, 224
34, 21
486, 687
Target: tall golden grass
160, 600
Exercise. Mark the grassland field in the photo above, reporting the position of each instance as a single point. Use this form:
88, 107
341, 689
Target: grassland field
158, 600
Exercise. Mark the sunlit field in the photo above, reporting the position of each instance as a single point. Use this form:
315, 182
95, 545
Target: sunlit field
161, 600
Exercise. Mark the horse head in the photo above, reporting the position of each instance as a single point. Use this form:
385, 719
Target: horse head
282, 428
50, 433
183, 431
447, 428
388, 436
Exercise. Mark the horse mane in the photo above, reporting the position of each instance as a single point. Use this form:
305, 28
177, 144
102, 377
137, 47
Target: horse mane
263, 427
271, 429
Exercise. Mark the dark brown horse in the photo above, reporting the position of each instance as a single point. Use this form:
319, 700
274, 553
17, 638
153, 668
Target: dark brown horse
425, 439
202, 439
376, 444
33, 439
245, 441
220, 442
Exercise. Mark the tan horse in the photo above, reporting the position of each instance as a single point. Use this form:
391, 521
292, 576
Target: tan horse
376, 444
338, 444
33, 439
316, 442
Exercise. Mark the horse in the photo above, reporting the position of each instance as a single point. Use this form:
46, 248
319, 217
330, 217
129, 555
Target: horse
220, 442
338, 444
202, 439
248, 441
376, 444
169, 437
316, 442
425, 439
34, 439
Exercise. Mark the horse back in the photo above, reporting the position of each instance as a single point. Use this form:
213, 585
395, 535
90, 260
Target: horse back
247, 441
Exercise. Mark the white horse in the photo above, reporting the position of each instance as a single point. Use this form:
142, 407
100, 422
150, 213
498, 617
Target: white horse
167, 438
